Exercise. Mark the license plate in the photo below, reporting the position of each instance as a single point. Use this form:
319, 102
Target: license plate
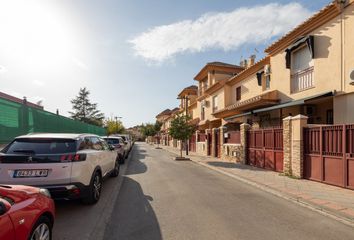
31, 173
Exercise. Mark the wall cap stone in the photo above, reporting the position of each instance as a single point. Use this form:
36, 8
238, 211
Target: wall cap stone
288, 118
300, 117
231, 144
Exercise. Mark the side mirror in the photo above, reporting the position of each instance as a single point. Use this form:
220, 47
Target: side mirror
4, 207
111, 147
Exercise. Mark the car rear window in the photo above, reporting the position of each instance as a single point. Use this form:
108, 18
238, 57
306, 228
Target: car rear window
112, 140
41, 146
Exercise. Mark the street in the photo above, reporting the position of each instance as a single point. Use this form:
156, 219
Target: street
160, 198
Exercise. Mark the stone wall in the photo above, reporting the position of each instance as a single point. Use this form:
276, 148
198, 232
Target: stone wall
201, 148
232, 152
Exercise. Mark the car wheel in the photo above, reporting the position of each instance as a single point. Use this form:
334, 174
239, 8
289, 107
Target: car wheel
115, 171
126, 155
42, 230
95, 189
121, 159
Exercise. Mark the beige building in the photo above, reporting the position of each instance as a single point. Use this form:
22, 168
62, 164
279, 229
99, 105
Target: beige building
211, 80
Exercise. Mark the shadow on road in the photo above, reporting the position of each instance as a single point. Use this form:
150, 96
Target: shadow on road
234, 165
137, 166
133, 217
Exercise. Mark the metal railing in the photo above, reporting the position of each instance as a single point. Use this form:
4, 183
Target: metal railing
302, 80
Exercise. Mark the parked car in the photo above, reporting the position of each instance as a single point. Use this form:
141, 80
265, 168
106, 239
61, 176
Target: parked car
127, 139
70, 166
25, 213
119, 146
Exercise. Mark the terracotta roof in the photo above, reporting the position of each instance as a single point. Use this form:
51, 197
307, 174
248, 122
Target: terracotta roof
165, 112
191, 90
223, 64
249, 71
322, 16
18, 100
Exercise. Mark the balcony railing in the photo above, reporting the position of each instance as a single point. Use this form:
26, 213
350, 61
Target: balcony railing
302, 80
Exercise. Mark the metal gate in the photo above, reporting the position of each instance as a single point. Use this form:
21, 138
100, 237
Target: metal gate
329, 154
192, 143
217, 144
210, 139
265, 148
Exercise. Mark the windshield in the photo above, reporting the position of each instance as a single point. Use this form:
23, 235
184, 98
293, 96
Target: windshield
112, 140
41, 146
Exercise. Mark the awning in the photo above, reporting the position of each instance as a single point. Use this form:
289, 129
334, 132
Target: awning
283, 105
237, 116
310, 42
293, 103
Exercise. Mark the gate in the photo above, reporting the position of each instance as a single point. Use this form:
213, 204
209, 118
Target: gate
192, 143
210, 139
329, 154
217, 144
265, 148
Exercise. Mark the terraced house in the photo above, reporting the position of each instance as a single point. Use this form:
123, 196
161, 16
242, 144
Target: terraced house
292, 110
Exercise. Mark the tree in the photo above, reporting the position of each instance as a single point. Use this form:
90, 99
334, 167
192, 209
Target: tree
114, 126
180, 128
150, 129
84, 110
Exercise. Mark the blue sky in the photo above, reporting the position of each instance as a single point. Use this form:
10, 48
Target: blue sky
134, 56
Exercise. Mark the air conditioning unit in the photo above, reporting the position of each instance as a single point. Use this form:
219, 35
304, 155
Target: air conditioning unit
204, 103
267, 69
351, 77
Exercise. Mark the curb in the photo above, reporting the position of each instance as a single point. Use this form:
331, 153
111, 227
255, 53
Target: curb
315, 208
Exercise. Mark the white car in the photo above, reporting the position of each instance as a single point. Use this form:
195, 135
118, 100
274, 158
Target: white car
70, 166
127, 139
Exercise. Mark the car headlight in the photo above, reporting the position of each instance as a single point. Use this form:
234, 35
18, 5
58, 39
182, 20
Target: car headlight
45, 192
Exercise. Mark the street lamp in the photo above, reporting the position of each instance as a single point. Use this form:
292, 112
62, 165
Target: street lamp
117, 123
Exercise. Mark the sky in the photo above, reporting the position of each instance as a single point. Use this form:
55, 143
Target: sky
133, 56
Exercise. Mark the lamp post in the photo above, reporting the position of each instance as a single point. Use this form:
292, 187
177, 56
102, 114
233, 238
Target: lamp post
116, 118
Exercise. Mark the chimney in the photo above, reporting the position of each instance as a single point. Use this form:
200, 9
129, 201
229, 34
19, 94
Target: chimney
245, 63
251, 60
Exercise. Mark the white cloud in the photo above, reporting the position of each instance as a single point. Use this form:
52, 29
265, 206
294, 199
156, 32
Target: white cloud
225, 30
79, 63
38, 83
2, 69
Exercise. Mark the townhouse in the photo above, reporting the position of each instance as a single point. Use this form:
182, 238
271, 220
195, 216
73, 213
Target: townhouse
292, 110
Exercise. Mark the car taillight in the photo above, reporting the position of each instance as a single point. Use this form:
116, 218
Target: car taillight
73, 157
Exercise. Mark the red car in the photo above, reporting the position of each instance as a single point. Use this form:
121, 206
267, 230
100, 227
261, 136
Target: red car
26, 213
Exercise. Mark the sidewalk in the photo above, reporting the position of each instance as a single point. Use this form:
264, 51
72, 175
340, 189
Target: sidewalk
329, 200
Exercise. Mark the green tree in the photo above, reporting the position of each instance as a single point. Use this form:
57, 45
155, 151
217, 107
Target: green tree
84, 110
181, 129
114, 126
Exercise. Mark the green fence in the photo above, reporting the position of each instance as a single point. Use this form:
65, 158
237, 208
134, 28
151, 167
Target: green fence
18, 119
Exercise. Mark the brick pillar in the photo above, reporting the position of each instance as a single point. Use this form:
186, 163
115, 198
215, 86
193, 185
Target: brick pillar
287, 133
213, 143
207, 131
297, 151
243, 135
222, 130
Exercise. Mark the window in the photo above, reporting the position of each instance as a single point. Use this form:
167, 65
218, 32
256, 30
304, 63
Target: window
104, 144
238, 93
96, 144
329, 116
267, 82
301, 70
301, 59
215, 103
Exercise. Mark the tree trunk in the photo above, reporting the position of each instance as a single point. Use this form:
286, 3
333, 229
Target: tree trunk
181, 147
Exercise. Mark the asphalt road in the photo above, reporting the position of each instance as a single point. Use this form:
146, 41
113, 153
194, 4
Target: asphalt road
163, 199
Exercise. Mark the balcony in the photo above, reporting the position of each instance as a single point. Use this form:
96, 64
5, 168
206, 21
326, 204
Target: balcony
302, 80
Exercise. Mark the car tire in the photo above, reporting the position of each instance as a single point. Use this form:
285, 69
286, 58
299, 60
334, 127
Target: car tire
42, 229
121, 159
115, 171
94, 189
126, 155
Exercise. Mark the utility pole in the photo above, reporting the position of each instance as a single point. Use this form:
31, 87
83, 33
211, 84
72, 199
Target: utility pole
117, 123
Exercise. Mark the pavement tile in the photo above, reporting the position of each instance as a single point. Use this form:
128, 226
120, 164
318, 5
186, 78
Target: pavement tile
318, 201
334, 206
348, 211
